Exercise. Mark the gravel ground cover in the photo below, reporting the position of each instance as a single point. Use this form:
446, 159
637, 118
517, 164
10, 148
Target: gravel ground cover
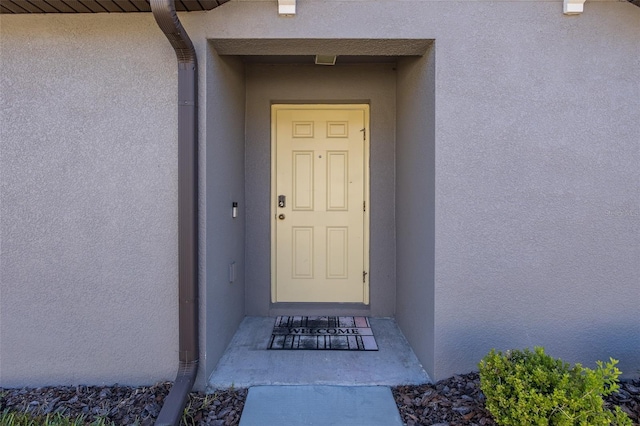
456, 401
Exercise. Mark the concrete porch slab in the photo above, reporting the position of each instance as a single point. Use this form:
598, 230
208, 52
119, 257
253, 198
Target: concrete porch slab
320, 405
247, 362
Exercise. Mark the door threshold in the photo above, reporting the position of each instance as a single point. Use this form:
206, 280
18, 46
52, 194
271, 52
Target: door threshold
319, 309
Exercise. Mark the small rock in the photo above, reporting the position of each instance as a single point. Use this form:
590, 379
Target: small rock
462, 410
223, 413
152, 409
632, 389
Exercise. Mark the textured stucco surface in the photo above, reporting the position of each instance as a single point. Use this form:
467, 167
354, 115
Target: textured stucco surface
223, 307
415, 203
537, 195
530, 181
536, 189
88, 201
535, 204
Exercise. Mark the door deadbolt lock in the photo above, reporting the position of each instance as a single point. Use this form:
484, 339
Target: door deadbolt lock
281, 216
281, 201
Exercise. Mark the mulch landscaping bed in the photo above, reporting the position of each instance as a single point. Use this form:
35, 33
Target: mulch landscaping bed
124, 405
458, 401
452, 402
455, 401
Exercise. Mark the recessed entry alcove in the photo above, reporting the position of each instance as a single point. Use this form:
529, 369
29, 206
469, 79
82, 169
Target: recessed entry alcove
244, 78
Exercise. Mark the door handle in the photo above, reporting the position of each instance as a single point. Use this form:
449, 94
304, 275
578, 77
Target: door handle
281, 216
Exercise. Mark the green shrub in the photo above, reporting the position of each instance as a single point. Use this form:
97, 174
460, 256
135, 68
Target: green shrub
532, 388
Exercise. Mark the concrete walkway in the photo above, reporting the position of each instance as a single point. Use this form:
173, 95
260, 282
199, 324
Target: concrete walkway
247, 362
320, 405
317, 387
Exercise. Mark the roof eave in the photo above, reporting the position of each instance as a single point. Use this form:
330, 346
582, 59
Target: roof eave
99, 6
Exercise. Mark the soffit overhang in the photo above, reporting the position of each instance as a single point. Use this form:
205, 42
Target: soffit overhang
289, 47
99, 6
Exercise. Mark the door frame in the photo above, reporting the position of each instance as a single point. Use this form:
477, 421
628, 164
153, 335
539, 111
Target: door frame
367, 198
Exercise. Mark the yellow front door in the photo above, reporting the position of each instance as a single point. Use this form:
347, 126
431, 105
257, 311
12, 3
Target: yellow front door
320, 232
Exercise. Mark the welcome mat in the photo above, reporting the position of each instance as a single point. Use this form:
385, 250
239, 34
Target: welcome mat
323, 333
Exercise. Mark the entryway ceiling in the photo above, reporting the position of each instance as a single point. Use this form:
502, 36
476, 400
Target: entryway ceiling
339, 47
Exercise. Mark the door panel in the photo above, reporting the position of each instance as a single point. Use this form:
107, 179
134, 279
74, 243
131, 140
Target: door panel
320, 187
302, 180
337, 180
337, 245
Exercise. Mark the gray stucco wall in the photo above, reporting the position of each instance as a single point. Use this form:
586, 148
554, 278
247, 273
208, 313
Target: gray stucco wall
88, 201
415, 204
536, 195
223, 307
536, 206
